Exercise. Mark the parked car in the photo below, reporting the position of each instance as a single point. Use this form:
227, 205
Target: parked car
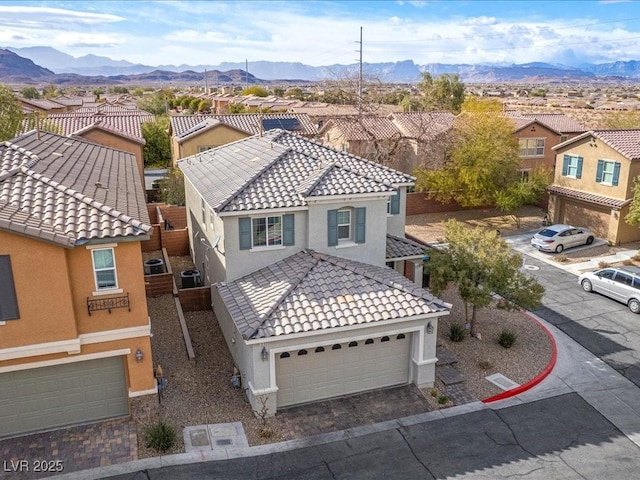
619, 283
555, 238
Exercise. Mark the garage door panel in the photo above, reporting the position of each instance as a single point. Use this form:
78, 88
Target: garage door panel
337, 372
50, 397
593, 217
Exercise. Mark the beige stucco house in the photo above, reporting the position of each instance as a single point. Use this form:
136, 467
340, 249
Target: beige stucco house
593, 183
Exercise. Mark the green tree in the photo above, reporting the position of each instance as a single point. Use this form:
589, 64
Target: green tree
119, 90
526, 192
205, 105
10, 114
50, 91
157, 149
633, 217
482, 161
172, 188
156, 103
30, 92
445, 92
278, 91
479, 262
237, 108
255, 90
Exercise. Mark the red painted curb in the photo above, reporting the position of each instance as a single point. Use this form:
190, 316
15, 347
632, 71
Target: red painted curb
541, 376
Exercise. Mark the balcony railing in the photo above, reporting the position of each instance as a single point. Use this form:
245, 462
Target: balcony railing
110, 303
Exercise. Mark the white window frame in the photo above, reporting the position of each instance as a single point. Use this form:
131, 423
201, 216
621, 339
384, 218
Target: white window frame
572, 166
266, 245
349, 224
529, 147
607, 176
104, 290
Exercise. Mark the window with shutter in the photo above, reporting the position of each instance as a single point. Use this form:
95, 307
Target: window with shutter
8, 299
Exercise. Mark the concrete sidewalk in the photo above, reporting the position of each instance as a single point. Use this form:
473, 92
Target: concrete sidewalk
576, 370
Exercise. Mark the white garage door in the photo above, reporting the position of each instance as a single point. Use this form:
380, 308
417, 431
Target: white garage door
49, 397
333, 370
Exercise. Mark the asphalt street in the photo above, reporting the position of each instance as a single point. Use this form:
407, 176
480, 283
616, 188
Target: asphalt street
581, 422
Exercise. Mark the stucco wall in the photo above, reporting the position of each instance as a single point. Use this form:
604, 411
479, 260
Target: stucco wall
214, 137
396, 223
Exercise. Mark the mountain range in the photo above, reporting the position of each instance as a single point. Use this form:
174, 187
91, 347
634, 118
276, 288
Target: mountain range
51, 65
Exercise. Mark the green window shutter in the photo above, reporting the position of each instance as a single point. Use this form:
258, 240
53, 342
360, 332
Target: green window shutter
361, 223
395, 204
245, 233
565, 165
8, 300
332, 227
616, 173
288, 230
599, 171
579, 169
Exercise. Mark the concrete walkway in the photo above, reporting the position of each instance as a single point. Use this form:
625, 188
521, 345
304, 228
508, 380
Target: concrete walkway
576, 370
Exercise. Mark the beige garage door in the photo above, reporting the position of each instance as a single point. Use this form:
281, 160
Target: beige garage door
334, 370
585, 215
50, 397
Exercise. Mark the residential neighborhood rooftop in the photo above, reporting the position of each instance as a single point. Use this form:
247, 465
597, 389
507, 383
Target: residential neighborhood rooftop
68, 191
311, 291
280, 169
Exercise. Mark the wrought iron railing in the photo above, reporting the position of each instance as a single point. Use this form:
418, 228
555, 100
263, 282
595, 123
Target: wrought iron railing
110, 303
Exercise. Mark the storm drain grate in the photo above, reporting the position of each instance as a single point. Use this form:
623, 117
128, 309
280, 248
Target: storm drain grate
501, 381
224, 441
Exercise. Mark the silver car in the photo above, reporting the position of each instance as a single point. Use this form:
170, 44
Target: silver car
619, 283
556, 238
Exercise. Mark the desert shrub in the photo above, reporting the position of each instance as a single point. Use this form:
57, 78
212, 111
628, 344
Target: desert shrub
561, 258
485, 365
434, 392
160, 436
507, 338
636, 257
628, 262
442, 399
603, 264
456, 332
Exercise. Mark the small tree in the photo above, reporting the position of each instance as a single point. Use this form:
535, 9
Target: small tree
256, 91
633, 217
445, 92
10, 114
30, 92
480, 263
525, 192
172, 188
157, 149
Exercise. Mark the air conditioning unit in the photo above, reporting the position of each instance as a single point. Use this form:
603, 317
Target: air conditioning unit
191, 278
153, 266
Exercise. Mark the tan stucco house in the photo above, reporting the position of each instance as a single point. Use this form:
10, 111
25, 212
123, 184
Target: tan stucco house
304, 248
74, 327
593, 183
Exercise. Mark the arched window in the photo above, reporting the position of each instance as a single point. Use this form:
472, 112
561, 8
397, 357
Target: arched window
285, 355
337, 346
400, 337
368, 341
384, 339
319, 349
302, 352
353, 344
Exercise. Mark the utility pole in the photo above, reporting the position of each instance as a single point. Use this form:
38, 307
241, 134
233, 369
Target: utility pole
246, 73
360, 76
206, 87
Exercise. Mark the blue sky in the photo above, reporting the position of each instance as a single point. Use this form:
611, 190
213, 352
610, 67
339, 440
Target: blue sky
325, 33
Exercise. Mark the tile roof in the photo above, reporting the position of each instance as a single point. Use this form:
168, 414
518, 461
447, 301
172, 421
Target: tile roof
423, 124
247, 122
310, 291
398, 247
588, 197
627, 142
69, 191
128, 124
366, 128
42, 103
559, 122
279, 170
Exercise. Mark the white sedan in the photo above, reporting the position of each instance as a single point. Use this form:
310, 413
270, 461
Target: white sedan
556, 238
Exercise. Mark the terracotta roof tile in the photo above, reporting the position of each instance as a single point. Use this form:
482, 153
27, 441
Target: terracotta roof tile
310, 291
588, 197
183, 126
